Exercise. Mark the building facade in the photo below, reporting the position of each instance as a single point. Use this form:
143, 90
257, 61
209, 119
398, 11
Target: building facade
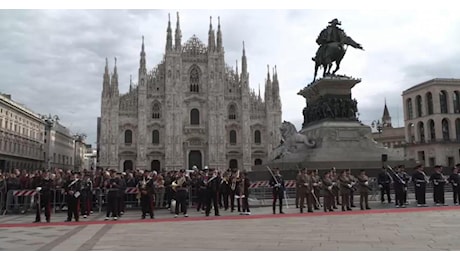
392, 138
21, 136
192, 109
90, 158
432, 122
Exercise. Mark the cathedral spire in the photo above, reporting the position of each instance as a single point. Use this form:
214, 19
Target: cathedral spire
142, 66
386, 118
237, 74
169, 35
219, 35
178, 35
106, 66
268, 73
244, 65
114, 81
211, 37
106, 79
130, 83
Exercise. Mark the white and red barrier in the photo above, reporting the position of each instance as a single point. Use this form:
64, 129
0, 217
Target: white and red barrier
25, 193
266, 184
131, 190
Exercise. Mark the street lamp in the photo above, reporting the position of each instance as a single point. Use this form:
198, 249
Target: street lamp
377, 125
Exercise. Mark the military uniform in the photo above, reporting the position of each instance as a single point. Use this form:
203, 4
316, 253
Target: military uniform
419, 179
384, 180
278, 187
212, 195
345, 187
454, 179
86, 197
400, 185
44, 198
306, 183
328, 195
72, 190
363, 190
352, 190
316, 189
146, 190
112, 187
438, 181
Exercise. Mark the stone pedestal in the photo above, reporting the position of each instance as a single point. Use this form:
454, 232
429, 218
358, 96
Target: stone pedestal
341, 140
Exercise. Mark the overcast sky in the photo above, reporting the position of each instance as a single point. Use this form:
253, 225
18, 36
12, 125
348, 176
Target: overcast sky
52, 61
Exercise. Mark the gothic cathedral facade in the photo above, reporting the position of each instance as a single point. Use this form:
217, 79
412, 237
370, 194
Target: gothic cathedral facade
192, 109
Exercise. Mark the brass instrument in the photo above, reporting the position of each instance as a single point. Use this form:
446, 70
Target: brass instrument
178, 183
141, 189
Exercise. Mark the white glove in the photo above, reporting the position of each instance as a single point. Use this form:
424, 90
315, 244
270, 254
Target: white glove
380, 186
366, 183
349, 185
38, 189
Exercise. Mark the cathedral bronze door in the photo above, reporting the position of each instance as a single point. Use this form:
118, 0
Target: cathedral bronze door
194, 159
155, 165
127, 165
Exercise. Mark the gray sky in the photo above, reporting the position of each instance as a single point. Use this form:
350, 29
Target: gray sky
52, 61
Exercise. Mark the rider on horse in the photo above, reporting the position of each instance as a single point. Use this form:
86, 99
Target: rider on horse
332, 33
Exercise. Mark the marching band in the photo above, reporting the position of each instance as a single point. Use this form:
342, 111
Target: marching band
213, 190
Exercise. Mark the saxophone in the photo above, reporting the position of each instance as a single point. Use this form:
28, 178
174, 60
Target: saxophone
142, 188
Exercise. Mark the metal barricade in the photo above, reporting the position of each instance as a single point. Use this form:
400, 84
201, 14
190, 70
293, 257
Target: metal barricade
2, 201
131, 200
14, 204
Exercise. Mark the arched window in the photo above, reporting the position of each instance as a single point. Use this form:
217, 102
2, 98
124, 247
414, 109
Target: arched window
443, 101
194, 117
232, 137
429, 103
456, 99
445, 130
128, 137
432, 131
127, 165
258, 162
155, 137
410, 112
457, 128
194, 80
155, 165
232, 112
257, 138
418, 105
421, 132
156, 111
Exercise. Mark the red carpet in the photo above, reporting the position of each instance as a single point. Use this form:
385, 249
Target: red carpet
238, 217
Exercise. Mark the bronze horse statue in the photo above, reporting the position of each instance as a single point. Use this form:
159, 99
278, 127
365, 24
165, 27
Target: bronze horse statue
333, 52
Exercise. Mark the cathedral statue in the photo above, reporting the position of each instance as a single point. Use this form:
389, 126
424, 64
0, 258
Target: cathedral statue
332, 43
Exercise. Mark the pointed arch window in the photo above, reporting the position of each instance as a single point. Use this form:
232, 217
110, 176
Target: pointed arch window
194, 80
156, 111
194, 117
232, 137
257, 137
155, 137
232, 112
128, 137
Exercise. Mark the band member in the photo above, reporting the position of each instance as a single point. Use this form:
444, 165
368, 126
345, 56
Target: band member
202, 189
297, 190
316, 187
225, 189
454, 179
180, 185
86, 195
146, 188
335, 188
212, 193
278, 187
44, 187
353, 188
234, 191
121, 193
420, 180
438, 180
328, 195
345, 187
112, 187
72, 189
406, 178
384, 180
306, 192
244, 193
364, 190
400, 186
